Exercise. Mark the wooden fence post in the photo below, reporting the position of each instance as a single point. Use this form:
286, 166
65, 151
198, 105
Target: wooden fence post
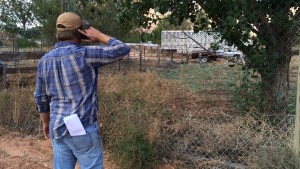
4, 76
297, 118
158, 56
141, 57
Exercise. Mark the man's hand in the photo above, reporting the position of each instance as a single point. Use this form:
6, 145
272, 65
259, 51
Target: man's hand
46, 130
45, 116
95, 35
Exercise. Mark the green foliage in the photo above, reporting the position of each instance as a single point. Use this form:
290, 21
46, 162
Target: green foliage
98, 13
134, 37
204, 77
272, 30
145, 37
46, 12
214, 46
15, 12
26, 43
165, 24
31, 33
248, 96
128, 10
235, 27
135, 151
101, 15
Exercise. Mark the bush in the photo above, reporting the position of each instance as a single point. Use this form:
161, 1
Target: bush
248, 96
135, 151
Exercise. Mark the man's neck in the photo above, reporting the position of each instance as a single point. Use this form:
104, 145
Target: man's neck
75, 40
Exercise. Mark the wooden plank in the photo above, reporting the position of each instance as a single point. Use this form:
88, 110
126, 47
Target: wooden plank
13, 56
21, 70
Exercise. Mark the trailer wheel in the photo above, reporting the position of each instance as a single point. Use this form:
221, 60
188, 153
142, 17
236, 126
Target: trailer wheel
203, 59
236, 58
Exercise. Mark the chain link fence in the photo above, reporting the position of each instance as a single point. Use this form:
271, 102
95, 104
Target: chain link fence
194, 119
18, 75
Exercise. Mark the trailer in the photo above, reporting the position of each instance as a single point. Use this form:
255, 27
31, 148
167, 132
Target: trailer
186, 41
198, 45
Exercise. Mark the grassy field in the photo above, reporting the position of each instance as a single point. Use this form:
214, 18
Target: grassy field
199, 77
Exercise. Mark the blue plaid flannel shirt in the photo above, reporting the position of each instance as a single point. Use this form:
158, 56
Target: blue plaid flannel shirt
67, 81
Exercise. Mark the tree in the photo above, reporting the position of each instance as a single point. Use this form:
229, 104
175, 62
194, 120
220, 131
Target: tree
46, 12
14, 13
102, 16
164, 24
274, 24
97, 12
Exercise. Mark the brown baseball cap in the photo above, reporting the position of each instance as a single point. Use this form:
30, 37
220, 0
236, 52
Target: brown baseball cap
68, 21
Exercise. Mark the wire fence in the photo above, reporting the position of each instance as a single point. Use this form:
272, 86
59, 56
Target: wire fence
204, 131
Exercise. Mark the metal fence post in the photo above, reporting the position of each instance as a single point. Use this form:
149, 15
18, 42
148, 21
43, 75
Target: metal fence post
297, 119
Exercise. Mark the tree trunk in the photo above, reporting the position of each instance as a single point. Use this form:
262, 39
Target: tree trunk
276, 87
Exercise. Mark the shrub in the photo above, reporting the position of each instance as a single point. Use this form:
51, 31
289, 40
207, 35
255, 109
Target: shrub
248, 96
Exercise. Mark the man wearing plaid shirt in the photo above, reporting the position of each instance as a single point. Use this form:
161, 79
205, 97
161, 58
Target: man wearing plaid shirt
66, 88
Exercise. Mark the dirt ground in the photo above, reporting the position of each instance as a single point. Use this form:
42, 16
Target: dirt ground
19, 151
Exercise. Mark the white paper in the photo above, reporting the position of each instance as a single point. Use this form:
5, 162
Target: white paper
74, 125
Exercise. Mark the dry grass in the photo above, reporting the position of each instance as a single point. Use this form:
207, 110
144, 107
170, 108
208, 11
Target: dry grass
180, 127
17, 106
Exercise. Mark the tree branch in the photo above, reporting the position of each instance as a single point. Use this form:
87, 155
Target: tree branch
269, 33
194, 40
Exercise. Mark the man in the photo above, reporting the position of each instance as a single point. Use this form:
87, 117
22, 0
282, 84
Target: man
66, 92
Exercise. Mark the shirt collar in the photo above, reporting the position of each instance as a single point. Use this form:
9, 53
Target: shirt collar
63, 44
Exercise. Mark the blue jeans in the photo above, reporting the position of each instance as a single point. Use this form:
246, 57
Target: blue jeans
87, 149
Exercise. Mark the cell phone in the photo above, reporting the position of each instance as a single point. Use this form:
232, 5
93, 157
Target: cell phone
85, 25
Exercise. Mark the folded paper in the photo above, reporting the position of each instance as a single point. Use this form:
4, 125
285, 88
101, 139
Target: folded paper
74, 125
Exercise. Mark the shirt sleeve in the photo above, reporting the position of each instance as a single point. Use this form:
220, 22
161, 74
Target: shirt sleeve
105, 54
42, 100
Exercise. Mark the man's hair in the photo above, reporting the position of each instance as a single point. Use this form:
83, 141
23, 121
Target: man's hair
68, 35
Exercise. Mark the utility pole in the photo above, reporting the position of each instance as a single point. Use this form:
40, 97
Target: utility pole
62, 2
